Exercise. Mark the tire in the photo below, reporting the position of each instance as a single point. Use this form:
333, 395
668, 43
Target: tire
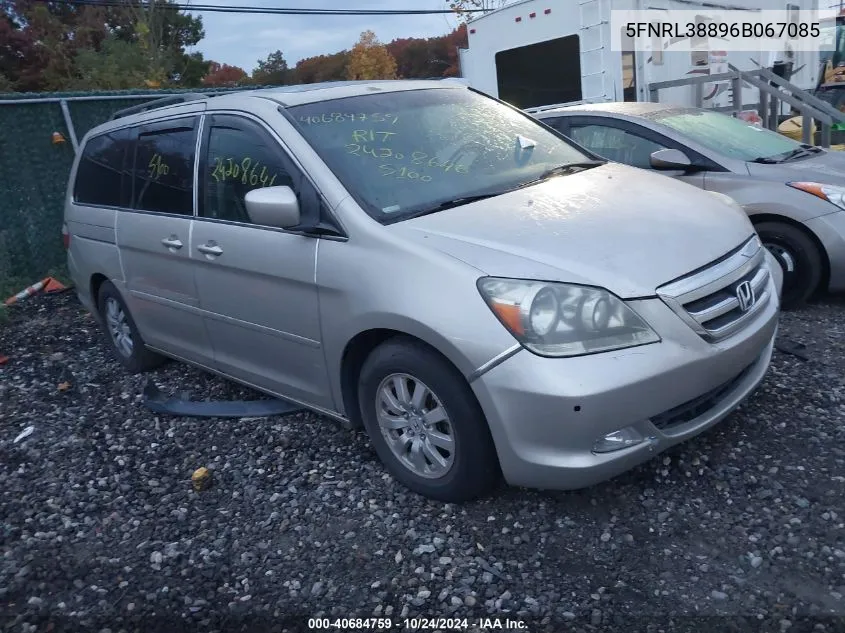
471, 467
799, 258
128, 348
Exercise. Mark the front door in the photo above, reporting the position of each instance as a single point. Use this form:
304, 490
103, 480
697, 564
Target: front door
154, 240
623, 142
256, 284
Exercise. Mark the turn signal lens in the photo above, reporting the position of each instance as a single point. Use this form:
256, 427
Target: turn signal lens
616, 441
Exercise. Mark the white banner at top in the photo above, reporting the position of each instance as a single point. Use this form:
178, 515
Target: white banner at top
708, 29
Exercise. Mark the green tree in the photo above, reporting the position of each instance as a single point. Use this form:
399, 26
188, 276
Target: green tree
43, 41
163, 35
370, 59
118, 65
272, 71
191, 70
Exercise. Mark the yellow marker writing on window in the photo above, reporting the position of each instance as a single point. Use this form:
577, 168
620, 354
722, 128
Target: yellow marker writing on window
157, 168
246, 171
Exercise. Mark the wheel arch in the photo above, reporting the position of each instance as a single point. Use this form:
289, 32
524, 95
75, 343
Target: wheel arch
759, 218
355, 354
97, 281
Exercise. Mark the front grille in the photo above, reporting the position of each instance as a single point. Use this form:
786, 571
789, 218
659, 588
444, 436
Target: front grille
698, 406
720, 299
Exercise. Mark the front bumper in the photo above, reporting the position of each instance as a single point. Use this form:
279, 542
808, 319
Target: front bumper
545, 414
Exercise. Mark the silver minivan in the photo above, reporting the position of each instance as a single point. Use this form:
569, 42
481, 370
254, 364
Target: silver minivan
482, 296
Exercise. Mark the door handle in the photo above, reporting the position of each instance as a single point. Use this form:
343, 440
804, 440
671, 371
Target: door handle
172, 242
211, 249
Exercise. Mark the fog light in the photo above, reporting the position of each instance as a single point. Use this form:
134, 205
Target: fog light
623, 438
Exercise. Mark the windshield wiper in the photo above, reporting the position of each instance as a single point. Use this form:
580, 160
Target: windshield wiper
566, 168
449, 204
803, 150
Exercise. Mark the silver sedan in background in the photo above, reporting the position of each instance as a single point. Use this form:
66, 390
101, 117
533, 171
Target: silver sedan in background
794, 193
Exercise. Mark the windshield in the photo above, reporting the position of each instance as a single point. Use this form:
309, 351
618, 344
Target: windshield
729, 136
403, 153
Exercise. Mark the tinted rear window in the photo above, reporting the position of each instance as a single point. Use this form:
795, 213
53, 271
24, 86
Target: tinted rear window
102, 177
164, 168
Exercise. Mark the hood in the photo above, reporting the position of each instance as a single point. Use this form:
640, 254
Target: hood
622, 228
827, 168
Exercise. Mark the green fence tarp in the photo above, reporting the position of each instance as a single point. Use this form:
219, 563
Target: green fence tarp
34, 173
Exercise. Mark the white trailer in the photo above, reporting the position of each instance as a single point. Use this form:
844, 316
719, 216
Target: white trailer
542, 52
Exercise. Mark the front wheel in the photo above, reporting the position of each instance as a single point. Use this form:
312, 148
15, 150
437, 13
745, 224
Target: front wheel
799, 258
425, 424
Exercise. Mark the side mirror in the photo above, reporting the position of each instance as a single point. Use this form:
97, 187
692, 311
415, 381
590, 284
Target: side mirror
668, 159
273, 206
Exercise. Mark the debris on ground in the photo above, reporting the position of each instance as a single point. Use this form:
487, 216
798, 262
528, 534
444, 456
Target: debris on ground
100, 528
201, 479
48, 285
792, 348
24, 434
156, 401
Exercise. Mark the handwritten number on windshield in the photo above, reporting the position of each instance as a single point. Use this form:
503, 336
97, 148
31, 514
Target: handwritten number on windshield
356, 149
347, 117
419, 158
403, 172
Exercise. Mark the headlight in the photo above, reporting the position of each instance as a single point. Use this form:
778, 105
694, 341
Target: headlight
555, 319
834, 195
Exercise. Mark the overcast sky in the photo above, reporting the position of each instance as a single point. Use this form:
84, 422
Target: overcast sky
241, 40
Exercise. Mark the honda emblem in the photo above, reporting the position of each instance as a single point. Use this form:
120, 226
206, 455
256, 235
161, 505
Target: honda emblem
745, 296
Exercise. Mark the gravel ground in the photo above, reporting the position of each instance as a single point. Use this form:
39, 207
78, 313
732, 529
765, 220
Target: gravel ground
740, 529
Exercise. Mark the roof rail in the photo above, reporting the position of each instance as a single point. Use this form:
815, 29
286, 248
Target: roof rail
160, 103
555, 106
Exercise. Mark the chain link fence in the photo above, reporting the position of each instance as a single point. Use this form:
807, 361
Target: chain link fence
34, 172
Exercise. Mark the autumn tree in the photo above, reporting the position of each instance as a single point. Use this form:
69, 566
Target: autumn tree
449, 45
320, 68
418, 58
54, 45
272, 71
414, 57
370, 59
223, 75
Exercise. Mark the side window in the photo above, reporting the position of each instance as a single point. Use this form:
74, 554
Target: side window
239, 156
616, 144
102, 177
164, 167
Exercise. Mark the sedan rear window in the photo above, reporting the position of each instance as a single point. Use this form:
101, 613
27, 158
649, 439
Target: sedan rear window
404, 152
